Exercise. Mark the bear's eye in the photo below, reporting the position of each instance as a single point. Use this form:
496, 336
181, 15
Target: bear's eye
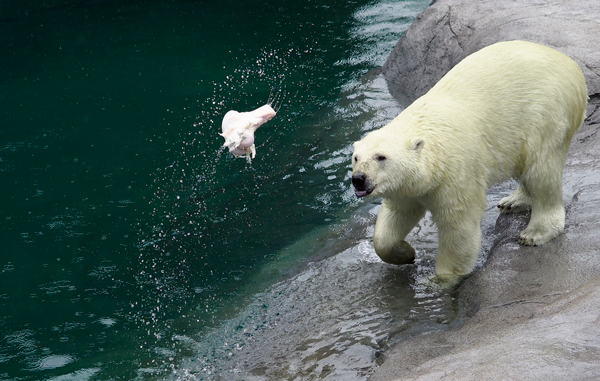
356, 159
380, 158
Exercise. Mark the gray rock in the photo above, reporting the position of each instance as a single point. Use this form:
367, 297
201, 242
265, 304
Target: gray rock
450, 30
534, 312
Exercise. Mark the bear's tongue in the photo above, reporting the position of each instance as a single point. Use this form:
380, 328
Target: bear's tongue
361, 193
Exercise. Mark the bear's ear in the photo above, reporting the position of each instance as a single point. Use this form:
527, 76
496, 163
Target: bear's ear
418, 145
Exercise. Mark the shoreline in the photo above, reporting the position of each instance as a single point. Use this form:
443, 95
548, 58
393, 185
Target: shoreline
532, 311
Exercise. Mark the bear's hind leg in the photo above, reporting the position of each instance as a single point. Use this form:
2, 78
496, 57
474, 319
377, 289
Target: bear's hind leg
519, 201
547, 208
393, 225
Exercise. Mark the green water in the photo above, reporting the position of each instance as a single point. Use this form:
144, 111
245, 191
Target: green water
122, 222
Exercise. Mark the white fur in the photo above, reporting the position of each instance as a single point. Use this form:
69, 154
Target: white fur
507, 111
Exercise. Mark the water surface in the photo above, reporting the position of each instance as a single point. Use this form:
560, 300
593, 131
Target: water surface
132, 243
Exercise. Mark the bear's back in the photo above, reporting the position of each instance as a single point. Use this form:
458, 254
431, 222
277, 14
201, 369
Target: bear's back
498, 106
516, 68
512, 87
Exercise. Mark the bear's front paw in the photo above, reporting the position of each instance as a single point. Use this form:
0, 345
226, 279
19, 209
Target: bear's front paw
399, 254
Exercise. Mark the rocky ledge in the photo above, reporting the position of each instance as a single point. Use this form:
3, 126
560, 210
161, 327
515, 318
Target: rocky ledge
534, 312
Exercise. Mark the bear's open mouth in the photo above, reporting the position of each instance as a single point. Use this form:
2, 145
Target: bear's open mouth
362, 193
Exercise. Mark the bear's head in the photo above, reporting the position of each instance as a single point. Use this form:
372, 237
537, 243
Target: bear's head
388, 165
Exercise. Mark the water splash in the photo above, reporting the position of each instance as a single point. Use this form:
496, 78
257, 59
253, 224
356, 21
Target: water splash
193, 204
276, 98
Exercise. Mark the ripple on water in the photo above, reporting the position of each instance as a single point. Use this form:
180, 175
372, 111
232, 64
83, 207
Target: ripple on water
79, 375
107, 322
52, 362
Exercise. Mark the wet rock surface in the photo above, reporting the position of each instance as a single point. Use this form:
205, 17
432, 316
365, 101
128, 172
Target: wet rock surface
534, 312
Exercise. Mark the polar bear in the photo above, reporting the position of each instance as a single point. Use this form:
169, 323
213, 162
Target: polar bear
509, 110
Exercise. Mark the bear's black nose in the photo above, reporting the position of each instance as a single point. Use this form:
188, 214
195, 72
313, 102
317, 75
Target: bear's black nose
358, 180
